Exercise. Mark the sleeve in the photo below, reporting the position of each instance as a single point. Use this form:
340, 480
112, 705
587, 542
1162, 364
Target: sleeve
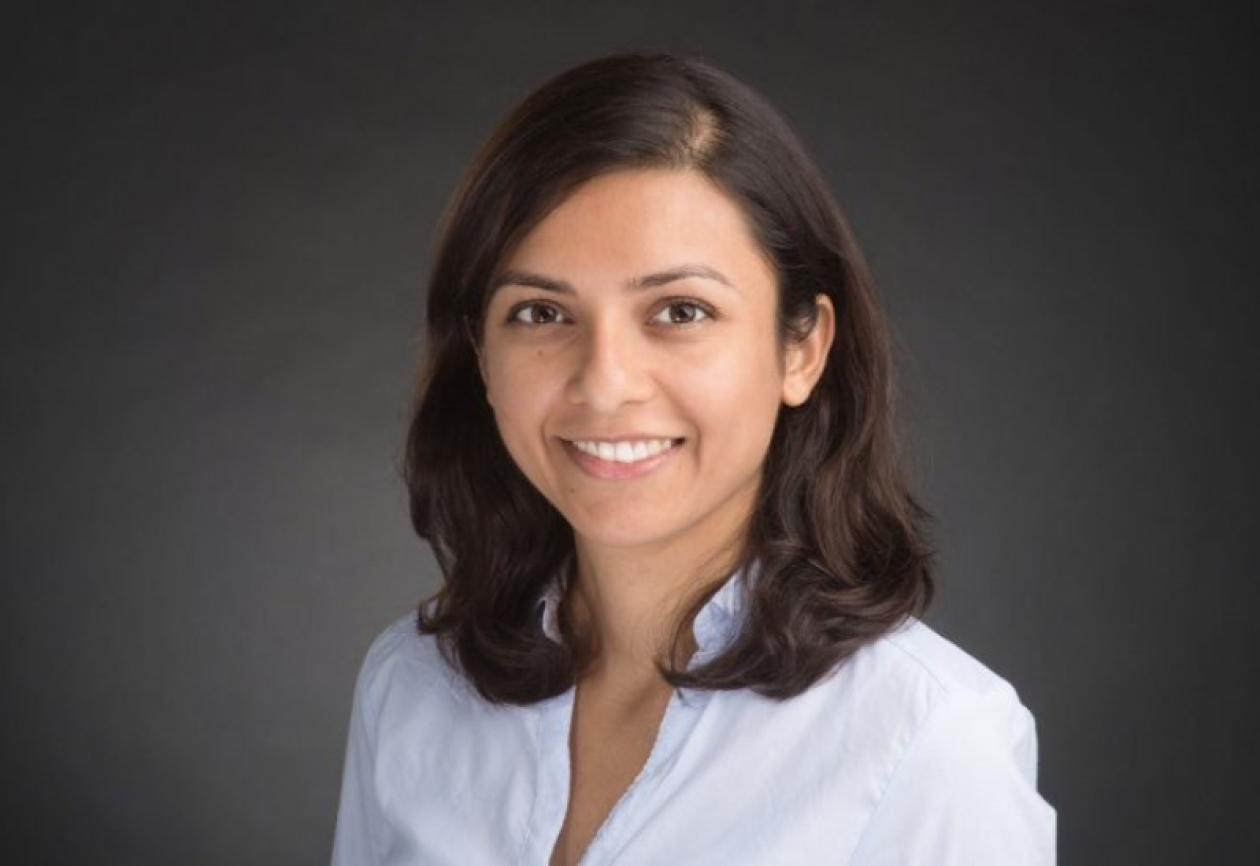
360, 836
965, 793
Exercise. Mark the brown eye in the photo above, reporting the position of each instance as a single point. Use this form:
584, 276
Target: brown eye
682, 313
534, 313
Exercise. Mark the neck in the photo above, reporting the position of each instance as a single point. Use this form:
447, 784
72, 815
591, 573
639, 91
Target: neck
630, 598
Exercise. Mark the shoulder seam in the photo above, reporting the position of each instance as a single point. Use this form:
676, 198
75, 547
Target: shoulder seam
896, 640
914, 740
950, 685
401, 641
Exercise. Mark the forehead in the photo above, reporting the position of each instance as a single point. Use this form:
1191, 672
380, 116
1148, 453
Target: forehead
619, 225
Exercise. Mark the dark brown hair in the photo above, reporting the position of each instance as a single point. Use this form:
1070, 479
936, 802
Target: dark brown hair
835, 533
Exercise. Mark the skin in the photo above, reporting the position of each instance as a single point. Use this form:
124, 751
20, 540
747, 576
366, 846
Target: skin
693, 358
574, 350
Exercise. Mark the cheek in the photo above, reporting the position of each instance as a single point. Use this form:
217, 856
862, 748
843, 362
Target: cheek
740, 389
503, 375
519, 395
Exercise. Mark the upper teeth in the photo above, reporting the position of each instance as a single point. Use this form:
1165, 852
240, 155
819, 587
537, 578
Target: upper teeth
625, 452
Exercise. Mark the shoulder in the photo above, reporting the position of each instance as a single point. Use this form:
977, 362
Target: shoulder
966, 754
970, 691
402, 661
918, 651
957, 704
909, 701
917, 665
399, 643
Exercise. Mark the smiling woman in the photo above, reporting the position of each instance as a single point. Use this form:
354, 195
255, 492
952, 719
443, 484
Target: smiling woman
654, 452
585, 390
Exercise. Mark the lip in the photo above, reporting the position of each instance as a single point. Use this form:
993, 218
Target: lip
620, 437
607, 470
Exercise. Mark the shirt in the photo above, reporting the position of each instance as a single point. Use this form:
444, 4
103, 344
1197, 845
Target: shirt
910, 752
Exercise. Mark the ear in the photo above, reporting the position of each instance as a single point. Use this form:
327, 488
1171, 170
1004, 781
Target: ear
485, 380
807, 358
481, 360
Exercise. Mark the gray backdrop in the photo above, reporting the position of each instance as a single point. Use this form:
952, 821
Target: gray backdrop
217, 226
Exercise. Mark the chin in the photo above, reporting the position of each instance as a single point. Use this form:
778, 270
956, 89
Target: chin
622, 531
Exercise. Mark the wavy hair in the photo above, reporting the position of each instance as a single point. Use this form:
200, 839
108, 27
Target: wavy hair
836, 536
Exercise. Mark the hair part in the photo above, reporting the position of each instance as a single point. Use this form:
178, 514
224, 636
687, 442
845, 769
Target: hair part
836, 536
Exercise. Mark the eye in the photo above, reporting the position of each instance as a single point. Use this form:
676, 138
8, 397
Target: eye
683, 312
535, 313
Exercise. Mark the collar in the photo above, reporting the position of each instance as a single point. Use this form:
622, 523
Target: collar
715, 626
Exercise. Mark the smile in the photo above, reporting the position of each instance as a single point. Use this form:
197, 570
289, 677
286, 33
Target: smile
625, 451
625, 460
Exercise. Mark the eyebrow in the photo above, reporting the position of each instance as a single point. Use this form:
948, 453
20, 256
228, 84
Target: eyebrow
647, 281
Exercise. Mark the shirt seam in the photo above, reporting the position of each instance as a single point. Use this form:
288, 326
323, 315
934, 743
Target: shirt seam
901, 762
430, 662
897, 641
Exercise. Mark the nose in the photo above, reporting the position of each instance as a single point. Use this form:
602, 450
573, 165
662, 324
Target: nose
612, 367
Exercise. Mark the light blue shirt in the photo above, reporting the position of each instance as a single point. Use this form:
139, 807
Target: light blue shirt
911, 752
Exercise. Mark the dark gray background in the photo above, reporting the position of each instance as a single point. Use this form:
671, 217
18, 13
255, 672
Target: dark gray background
217, 226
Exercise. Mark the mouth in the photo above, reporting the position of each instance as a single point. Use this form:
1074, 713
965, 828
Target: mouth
622, 460
625, 451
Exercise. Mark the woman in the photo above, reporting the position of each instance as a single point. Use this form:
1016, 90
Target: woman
653, 451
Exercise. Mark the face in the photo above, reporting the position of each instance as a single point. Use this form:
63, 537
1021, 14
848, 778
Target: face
630, 358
